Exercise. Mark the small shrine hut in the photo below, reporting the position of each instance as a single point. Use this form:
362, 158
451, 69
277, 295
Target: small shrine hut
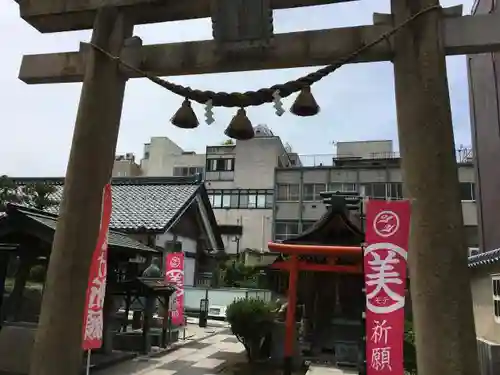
325, 276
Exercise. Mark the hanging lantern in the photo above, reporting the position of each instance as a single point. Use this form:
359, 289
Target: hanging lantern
185, 118
305, 104
240, 127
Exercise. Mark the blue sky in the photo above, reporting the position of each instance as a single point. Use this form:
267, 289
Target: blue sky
357, 101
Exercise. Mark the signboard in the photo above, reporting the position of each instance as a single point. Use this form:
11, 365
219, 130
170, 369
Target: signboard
175, 274
96, 289
387, 233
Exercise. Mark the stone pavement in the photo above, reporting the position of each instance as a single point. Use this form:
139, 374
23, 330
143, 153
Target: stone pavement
207, 356
327, 370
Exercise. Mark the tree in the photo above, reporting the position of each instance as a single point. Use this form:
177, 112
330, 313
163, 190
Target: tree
9, 192
39, 196
228, 142
238, 275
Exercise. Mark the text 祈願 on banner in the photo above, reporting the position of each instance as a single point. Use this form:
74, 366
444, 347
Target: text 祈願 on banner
385, 260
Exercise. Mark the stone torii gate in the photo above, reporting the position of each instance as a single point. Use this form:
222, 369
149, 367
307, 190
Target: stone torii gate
439, 285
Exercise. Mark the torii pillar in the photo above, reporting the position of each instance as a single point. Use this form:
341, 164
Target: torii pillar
440, 287
442, 303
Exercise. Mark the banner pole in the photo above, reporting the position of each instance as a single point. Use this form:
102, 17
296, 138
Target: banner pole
87, 369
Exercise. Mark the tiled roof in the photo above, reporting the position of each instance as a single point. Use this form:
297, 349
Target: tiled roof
114, 239
488, 257
140, 203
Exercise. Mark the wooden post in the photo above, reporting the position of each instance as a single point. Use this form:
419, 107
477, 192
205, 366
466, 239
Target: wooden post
440, 290
290, 324
89, 169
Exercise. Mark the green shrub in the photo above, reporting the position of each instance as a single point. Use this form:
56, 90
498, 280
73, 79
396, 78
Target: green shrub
251, 321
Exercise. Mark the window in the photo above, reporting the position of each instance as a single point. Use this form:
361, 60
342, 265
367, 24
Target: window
395, 190
288, 192
467, 191
306, 225
187, 171
342, 187
495, 285
241, 198
311, 192
377, 190
285, 229
173, 246
220, 165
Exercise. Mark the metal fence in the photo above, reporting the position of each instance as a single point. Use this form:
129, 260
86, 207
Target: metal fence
463, 155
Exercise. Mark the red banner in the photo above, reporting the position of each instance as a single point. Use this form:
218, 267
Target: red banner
387, 233
96, 289
175, 274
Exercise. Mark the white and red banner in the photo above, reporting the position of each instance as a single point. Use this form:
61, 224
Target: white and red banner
385, 256
93, 320
175, 274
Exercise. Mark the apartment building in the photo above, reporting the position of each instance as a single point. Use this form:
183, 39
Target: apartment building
370, 168
239, 178
484, 83
125, 166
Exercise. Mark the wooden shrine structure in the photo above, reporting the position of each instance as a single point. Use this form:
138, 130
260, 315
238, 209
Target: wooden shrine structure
321, 264
416, 37
26, 236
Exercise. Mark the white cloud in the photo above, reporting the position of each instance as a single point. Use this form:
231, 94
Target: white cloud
357, 101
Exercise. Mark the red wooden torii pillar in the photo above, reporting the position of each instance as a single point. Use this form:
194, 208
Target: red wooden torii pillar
293, 266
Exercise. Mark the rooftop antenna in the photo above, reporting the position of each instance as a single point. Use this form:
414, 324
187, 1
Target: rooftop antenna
334, 144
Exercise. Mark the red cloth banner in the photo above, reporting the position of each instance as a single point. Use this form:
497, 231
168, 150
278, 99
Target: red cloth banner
385, 256
93, 317
175, 274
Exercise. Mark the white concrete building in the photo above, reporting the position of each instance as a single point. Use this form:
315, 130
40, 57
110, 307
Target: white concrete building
239, 178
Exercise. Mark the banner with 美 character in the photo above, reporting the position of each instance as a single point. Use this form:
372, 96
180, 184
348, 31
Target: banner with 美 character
93, 320
385, 259
175, 274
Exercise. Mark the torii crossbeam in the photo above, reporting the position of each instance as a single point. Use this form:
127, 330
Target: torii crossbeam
462, 35
439, 286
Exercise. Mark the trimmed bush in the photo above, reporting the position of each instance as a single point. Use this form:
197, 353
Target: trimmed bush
251, 322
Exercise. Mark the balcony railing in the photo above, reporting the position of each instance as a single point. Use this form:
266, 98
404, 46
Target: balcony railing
463, 155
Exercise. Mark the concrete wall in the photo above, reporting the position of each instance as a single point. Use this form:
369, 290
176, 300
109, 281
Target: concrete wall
482, 294
484, 80
254, 164
126, 168
487, 328
256, 223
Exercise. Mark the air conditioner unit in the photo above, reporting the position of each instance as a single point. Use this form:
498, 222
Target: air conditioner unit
473, 251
